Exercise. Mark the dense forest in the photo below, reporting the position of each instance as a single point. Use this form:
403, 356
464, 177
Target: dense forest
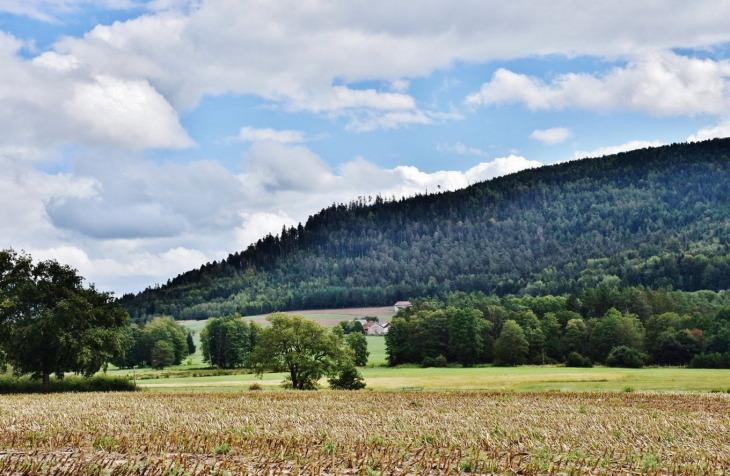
656, 218
611, 325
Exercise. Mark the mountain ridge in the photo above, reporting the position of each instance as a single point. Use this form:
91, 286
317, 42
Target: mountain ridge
651, 217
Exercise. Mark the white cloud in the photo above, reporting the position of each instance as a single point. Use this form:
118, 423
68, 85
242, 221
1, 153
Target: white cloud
615, 149
287, 50
55, 99
414, 181
461, 149
128, 113
249, 134
660, 83
256, 225
721, 130
166, 61
400, 85
287, 53
162, 265
127, 223
556, 135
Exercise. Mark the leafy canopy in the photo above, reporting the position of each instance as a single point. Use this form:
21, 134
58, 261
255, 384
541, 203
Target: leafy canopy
51, 323
227, 341
305, 349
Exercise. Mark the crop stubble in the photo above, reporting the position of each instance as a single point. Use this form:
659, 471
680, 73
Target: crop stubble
366, 433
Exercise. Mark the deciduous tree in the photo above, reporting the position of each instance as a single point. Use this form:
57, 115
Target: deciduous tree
305, 349
511, 347
359, 345
52, 323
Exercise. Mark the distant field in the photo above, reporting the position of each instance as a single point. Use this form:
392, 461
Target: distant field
376, 346
326, 317
330, 317
365, 433
521, 379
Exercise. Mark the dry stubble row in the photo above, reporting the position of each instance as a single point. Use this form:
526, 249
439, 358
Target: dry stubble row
365, 433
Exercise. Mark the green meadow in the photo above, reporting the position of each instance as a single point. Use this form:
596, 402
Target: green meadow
521, 379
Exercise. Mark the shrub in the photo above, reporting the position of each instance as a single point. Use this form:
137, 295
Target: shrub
714, 360
574, 359
98, 383
348, 379
439, 361
625, 356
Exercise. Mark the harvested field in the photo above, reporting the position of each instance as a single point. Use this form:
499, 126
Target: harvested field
365, 433
330, 317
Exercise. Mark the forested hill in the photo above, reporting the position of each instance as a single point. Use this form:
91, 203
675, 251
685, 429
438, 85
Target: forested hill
654, 217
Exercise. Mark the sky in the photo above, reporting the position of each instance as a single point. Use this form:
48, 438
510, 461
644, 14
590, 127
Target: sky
141, 139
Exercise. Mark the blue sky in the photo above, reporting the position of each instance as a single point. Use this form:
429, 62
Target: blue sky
141, 139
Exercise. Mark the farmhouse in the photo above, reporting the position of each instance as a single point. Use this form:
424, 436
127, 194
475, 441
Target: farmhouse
373, 328
401, 305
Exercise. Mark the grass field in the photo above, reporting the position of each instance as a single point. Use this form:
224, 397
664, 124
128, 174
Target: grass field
365, 433
520, 379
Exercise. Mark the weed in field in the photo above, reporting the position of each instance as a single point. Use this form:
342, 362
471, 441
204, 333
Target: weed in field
222, 449
105, 443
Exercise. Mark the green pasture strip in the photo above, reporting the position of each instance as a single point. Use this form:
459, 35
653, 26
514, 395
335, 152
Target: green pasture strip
492, 379
376, 346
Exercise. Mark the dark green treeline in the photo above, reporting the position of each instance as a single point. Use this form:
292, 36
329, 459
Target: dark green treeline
622, 327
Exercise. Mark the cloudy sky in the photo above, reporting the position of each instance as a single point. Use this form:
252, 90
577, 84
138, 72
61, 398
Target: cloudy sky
141, 139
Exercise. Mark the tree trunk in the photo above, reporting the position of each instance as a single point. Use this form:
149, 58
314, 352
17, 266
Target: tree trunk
294, 381
46, 381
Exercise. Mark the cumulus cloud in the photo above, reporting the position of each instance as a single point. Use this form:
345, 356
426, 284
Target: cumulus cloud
660, 83
149, 69
126, 270
287, 53
556, 135
721, 130
130, 113
24, 191
288, 49
249, 134
460, 149
54, 99
127, 222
